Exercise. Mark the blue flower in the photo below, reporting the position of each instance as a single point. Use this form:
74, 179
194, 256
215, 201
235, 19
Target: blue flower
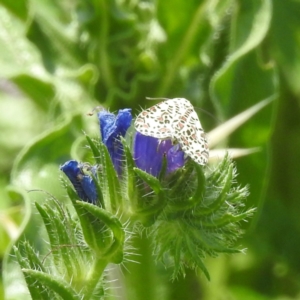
83, 184
112, 127
148, 153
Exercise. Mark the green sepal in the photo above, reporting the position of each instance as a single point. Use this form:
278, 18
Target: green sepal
110, 181
227, 219
196, 258
51, 283
61, 232
163, 170
238, 196
30, 260
152, 181
94, 230
177, 254
178, 179
113, 252
206, 222
95, 150
129, 175
219, 173
209, 245
99, 179
57, 235
197, 197
107, 182
200, 189
147, 212
100, 199
211, 209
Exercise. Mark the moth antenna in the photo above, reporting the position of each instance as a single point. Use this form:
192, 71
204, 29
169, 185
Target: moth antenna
97, 108
208, 113
160, 98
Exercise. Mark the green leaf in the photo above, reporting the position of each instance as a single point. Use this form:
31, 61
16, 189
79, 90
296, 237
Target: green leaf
223, 131
64, 244
147, 211
109, 181
211, 208
193, 19
132, 192
53, 284
98, 182
197, 259
152, 181
229, 218
18, 8
250, 26
197, 197
41, 91
94, 230
284, 34
95, 150
114, 252
36, 291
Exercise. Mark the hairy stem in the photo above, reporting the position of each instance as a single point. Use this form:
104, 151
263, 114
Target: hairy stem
94, 277
141, 274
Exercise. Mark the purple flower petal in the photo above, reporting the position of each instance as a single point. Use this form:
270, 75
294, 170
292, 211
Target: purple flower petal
175, 159
83, 184
148, 154
145, 154
112, 127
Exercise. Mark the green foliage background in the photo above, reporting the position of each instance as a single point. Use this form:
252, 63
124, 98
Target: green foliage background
59, 59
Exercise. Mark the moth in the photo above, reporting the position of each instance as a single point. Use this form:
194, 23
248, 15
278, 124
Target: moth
177, 120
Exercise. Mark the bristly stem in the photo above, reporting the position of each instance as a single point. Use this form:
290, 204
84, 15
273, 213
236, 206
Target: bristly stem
94, 277
141, 278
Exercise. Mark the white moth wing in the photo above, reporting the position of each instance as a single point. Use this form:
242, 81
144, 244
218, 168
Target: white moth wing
157, 120
191, 136
175, 119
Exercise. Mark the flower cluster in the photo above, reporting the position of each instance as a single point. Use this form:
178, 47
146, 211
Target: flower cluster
152, 182
148, 153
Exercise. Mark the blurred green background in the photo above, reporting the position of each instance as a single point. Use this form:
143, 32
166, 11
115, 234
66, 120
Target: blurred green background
61, 58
